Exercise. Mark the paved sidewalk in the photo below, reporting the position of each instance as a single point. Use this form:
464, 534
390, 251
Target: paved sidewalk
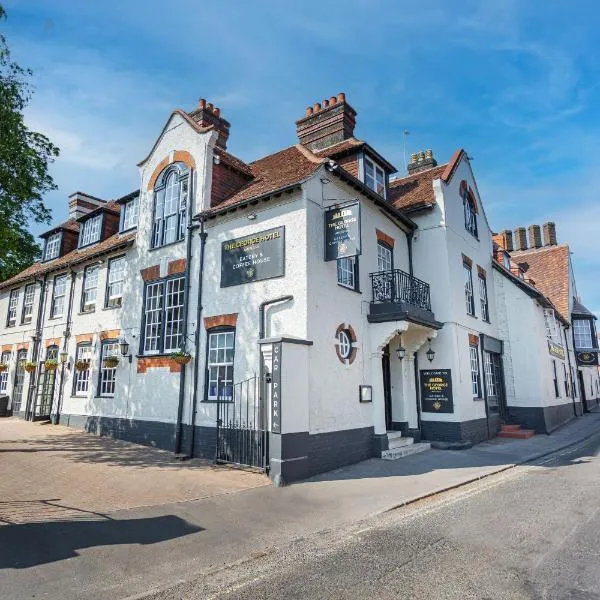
134, 551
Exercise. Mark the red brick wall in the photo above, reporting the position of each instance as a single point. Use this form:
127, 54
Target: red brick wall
225, 183
69, 241
220, 320
350, 163
111, 225
155, 362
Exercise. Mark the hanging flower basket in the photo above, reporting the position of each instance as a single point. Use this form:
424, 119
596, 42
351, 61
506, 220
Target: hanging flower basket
82, 365
3, 367
181, 358
111, 362
51, 364
29, 366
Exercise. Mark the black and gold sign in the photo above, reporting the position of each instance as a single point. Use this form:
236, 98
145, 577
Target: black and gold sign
253, 257
556, 350
436, 391
587, 359
342, 231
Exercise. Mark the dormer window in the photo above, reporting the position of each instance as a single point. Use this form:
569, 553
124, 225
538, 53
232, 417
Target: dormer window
374, 176
52, 246
90, 231
130, 214
170, 206
582, 332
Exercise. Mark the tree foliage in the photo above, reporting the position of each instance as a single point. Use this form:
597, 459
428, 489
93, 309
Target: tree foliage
25, 156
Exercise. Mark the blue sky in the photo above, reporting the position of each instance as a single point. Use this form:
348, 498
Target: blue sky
514, 85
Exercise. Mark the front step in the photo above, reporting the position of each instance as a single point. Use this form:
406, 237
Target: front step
515, 432
405, 450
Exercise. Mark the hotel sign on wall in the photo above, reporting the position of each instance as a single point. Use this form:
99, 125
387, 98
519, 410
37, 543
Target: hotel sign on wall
587, 359
436, 391
556, 350
342, 231
253, 257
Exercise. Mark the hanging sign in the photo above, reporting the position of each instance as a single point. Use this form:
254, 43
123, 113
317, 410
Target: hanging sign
587, 359
556, 350
276, 389
253, 257
342, 231
436, 391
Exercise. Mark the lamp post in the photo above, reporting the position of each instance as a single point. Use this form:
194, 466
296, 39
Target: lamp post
430, 353
124, 348
400, 350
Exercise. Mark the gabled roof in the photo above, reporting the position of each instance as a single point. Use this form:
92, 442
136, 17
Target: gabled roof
354, 145
580, 310
549, 267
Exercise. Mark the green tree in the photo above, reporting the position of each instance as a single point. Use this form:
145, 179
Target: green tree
24, 159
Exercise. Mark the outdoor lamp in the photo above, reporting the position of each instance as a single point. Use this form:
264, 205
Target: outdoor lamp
400, 351
124, 347
430, 353
64, 357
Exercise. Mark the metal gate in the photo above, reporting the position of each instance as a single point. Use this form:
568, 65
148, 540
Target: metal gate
242, 430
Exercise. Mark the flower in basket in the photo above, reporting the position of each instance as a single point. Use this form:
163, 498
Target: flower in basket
181, 357
82, 365
110, 362
29, 366
51, 364
3, 367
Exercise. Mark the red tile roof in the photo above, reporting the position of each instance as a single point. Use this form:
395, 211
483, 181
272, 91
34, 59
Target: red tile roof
415, 191
234, 161
352, 145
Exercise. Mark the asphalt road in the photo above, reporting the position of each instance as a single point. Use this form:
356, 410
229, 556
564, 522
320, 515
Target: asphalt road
530, 533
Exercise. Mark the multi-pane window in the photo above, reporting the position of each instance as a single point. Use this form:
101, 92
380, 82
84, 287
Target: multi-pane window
552, 329
17, 395
470, 214
108, 374
4, 359
483, 298
130, 214
490, 379
474, 358
170, 205
163, 316
13, 301
90, 231
221, 350
346, 272
89, 290
28, 298
582, 332
81, 378
52, 246
384, 257
468, 275
116, 279
57, 307
506, 261
374, 177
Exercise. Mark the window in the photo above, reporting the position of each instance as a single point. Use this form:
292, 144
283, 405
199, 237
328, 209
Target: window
57, 307
347, 272
52, 246
221, 351
470, 303
552, 331
108, 375
474, 357
506, 261
483, 298
385, 261
17, 396
81, 378
4, 359
130, 214
490, 380
13, 301
90, 231
470, 210
28, 298
89, 289
374, 177
556, 389
163, 316
170, 202
344, 344
582, 332
116, 279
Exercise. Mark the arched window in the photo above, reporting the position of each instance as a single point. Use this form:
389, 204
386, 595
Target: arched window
470, 208
170, 205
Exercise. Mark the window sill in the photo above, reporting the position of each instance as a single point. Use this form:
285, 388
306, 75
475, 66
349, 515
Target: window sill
472, 316
350, 289
132, 228
10, 326
158, 355
25, 323
110, 308
90, 244
217, 402
86, 312
166, 245
56, 318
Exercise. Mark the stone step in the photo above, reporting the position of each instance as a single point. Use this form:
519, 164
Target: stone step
521, 434
392, 435
403, 451
399, 442
508, 427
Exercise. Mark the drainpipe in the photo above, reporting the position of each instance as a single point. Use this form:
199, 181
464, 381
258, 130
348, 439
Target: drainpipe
261, 312
417, 389
203, 236
571, 373
409, 240
484, 384
66, 335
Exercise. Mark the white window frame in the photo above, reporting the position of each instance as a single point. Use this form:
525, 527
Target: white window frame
552, 331
483, 298
153, 310
346, 272
81, 379
90, 231
170, 207
385, 257
115, 282
4, 359
28, 300
89, 289
174, 303
490, 381
582, 333
131, 211
108, 375
220, 360
475, 375
469, 299
59, 292
376, 180
52, 249
344, 344
506, 261
13, 304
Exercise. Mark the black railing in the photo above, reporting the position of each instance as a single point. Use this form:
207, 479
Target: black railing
398, 286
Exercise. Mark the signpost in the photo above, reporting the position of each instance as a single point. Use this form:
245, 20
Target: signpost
276, 389
342, 231
587, 359
556, 350
253, 257
436, 391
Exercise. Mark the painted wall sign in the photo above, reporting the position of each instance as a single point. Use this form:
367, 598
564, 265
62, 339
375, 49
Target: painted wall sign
342, 231
253, 257
436, 391
276, 389
556, 350
586, 359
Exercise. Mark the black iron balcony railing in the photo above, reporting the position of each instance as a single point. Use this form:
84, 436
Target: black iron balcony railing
398, 286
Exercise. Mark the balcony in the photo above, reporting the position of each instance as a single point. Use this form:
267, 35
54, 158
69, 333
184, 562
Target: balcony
398, 296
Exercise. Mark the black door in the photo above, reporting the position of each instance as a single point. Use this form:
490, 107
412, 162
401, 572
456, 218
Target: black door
45, 388
496, 398
387, 387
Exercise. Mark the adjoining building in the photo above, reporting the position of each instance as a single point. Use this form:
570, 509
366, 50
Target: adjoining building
296, 313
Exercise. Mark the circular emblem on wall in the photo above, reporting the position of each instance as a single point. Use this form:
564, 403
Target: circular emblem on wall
345, 343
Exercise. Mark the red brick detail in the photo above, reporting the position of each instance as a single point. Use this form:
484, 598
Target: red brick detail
150, 273
177, 266
83, 338
7, 348
385, 238
185, 157
473, 340
111, 224
157, 362
52, 342
349, 164
178, 156
481, 271
225, 183
70, 241
23, 346
353, 340
467, 260
110, 334
229, 320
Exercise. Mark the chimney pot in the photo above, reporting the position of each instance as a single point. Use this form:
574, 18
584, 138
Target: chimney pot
332, 100
549, 234
535, 236
217, 112
202, 103
421, 155
341, 97
521, 238
317, 107
507, 238
325, 103
429, 153
309, 111
414, 157
208, 115
210, 106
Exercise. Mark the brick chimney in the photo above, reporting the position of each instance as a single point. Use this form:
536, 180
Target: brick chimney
81, 204
421, 161
535, 236
521, 238
507, 239
549, 234
326, 124
208, 115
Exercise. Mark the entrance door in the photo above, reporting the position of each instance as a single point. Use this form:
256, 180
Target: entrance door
45, 388
387, 387
582, 391
496, 398
17, 396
